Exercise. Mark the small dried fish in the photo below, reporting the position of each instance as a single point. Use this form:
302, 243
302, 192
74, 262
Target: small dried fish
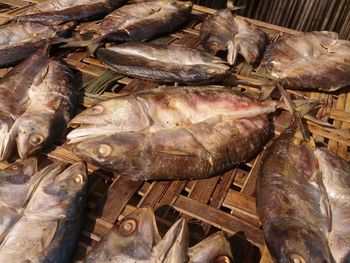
317, 60
14, 92
336, 178
19, 41
52, 104
172, 132
69, 10
49, 227
225, 31
164, 64
292, 202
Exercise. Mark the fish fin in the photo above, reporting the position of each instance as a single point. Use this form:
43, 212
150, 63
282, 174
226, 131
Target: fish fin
9, 142
231, 52
313, 119
266, 92
48, 235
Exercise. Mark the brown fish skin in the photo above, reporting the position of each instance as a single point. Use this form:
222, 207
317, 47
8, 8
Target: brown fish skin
143, 21
163, 64
336, 178
52, 105
67, 10
197, 131
21, 40
14, 93
292, 202
225, 31
315, 60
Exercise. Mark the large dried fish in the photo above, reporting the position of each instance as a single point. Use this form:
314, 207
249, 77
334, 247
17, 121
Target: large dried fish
144, 21
292, 202
172, 132
20, 40
215, 249
336, 178
69, 10
49, 228
17, 184
316, 60
164, 64
135, 239
14, 91
225, 31
52, 104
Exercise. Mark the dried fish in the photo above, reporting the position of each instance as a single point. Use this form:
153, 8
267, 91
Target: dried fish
164, 64
69, 10
172, 132
49, 228
336, 178
317, 60
225, 31
52, 105
292, 202
14, 92
21, 40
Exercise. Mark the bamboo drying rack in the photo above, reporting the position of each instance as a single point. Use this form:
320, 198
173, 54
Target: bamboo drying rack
225, 202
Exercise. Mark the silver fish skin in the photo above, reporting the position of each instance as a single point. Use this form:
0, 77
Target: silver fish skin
131, 240
292, 202
312, 60
19, 41
69, 10
172, 132
336, 178
14, 93
49, 228
143, 21
214, 248
17, 184
52, 105
163, 64
225, 31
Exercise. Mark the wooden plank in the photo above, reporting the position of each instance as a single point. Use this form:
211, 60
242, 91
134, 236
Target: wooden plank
219, 219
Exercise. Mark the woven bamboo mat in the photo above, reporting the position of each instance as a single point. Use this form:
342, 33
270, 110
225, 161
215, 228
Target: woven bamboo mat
225, 202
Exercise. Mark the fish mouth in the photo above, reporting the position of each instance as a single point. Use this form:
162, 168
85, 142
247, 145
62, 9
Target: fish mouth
85, 132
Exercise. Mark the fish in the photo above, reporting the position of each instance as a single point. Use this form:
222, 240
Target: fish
172, 132
14, 91
17, 184
225, 31
292, 202
163, 64
19, 41
68, 10
136, 239
143, 21
214, 248
336, 179
52, 105
49, 227
312, 60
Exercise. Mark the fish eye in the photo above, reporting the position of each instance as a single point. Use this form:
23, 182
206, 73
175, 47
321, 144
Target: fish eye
78, 178
295, 258
127, 227
222, 259
103, 150
36, 139
95, 110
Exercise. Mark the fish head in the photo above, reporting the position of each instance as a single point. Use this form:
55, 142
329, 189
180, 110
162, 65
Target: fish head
20, 172
136, 234
290, 242
33, 133
215, 248
111, 151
